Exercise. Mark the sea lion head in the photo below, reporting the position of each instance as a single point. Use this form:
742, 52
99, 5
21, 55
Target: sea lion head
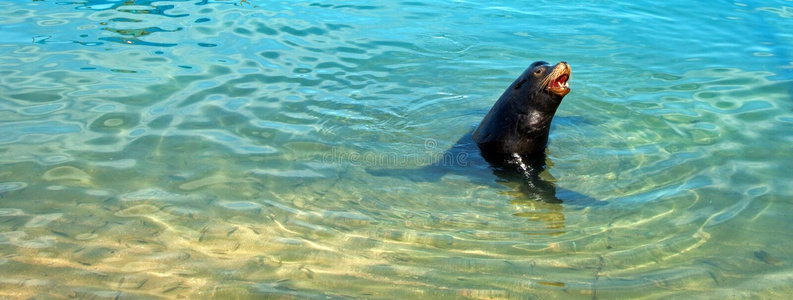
546, 80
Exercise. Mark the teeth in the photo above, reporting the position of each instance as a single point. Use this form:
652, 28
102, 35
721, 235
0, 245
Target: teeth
558, 84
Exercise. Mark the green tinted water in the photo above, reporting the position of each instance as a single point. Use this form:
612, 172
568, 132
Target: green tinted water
212, 149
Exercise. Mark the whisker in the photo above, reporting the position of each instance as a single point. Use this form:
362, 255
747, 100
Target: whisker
555, 73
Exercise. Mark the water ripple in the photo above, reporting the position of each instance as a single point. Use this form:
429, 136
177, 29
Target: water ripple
227, 142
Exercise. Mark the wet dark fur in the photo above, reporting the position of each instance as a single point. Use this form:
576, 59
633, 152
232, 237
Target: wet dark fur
520, 121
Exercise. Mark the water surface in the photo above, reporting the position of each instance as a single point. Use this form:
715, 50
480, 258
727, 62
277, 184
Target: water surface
220, 149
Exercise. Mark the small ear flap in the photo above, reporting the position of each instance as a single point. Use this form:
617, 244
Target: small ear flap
520, 83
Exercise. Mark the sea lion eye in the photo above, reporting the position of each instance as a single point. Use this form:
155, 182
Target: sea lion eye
538, 72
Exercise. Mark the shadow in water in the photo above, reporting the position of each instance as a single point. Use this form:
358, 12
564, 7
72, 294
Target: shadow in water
521, 174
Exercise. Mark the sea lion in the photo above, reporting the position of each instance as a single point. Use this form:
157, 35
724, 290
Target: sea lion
518, 124
511, 138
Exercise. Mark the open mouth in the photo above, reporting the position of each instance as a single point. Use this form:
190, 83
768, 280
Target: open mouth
559, 84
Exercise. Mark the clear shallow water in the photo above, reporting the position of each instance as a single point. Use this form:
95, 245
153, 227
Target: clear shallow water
196, 149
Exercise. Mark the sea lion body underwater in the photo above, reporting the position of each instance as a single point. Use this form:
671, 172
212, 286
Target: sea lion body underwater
519, 123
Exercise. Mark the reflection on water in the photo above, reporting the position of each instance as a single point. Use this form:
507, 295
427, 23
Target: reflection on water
529, 185
224, 149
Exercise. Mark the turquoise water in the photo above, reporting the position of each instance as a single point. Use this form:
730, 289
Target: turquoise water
221, 149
